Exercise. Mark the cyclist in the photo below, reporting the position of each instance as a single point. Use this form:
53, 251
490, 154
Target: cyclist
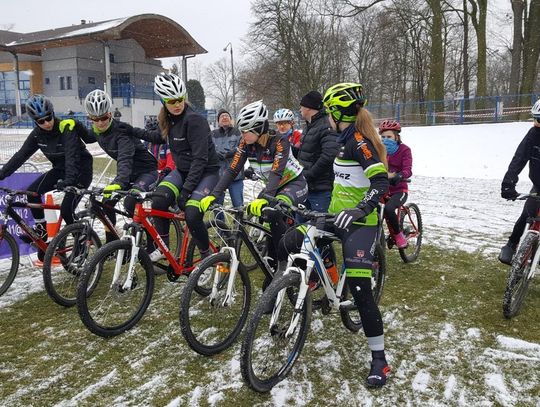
194, 153
360, 181
136, 168
271, 158
162, 152
284, 121
60, 141
527, 151
400, 167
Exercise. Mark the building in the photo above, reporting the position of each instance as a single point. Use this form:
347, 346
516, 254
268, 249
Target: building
66, 63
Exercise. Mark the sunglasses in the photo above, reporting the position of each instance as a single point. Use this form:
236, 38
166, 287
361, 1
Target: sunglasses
45, 119
99, 119
173, 101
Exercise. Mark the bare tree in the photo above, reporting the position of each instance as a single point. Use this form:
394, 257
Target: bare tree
531, 48
517, 44
218, 78
478, 18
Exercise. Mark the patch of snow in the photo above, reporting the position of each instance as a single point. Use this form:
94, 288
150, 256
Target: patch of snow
421, 381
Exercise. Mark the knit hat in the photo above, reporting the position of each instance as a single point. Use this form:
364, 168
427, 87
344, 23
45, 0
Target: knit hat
222, 111
313, 100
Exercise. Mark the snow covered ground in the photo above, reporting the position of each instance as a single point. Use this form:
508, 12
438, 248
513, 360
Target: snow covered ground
456, 183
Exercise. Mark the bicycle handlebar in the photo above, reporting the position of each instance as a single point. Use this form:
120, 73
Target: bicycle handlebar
140, 195
522, 197
300, 209
10, 191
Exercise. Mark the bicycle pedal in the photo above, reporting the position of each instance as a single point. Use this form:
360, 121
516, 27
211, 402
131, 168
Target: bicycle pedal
171, 276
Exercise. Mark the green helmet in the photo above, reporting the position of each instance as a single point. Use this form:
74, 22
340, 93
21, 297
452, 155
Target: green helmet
341, 101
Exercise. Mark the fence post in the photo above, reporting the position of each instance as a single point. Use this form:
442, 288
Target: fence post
462, 111
398, 112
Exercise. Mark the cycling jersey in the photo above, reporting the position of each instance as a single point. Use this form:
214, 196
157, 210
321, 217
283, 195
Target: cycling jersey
360, 176
273, 162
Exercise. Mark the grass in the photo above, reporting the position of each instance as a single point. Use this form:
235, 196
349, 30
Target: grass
442, 318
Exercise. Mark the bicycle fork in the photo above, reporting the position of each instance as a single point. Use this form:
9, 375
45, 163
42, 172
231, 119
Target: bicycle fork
232, 275
536, 258
128, 283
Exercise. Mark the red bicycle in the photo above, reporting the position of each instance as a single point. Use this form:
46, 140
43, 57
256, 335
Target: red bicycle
9, 249
117, 283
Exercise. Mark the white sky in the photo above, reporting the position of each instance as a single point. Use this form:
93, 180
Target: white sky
212, 23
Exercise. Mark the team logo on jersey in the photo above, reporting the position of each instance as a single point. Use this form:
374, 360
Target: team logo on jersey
361, 145
359, 253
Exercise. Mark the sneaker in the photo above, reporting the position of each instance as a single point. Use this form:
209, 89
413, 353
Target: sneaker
156, 256
379, 373
400, 240
40, 229
507, 253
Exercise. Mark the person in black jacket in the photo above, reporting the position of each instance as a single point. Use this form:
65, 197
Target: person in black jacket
60, 141
194, 153
136, 167
528, 151
318, 148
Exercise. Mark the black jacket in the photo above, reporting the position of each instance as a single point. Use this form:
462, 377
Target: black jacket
318, 148
527, 151
65, 151
191, 146
132, 157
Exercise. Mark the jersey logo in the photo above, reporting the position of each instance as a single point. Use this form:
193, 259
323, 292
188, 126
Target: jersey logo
363, 146
342, 175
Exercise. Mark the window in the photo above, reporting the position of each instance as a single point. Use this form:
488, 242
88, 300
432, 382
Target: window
91, 80
68, 80
111, 58
62, 83
47, 81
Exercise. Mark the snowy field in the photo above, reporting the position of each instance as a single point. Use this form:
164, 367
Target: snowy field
456, 183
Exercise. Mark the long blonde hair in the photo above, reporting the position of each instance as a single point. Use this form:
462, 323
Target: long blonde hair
366, 127
164, 122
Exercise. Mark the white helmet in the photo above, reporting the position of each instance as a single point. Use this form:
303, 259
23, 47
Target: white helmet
169, 86
283, 115
252, 117
97, 103
535, 110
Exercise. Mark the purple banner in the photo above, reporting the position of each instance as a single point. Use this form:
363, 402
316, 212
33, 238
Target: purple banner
17, 181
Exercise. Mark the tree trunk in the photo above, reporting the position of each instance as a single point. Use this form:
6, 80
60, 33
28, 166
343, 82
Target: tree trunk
436, 74
517, 42
531, 49
466, 91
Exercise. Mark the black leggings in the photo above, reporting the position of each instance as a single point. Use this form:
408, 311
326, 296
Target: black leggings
358, 245
46, 182
391, 207
530, 209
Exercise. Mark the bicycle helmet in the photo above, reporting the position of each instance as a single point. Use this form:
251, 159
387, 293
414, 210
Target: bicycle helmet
38, 106
151, 123
535, 110
253, 117
97, 103
389, 125
342, 101
169, 86
283, 115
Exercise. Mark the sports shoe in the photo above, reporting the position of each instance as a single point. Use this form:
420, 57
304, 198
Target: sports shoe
379, 373
507, 253
40, 229
156, 256
400, 240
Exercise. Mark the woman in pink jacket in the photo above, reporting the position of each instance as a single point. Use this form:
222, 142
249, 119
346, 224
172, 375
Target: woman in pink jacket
399, 168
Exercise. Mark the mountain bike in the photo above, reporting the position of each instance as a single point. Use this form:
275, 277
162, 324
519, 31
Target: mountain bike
274, 340
212, 318
524, 265
117, 300
9, 248
410, 222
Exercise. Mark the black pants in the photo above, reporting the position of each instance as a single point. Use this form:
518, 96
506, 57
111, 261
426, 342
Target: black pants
46, 182
390, 210
530, 209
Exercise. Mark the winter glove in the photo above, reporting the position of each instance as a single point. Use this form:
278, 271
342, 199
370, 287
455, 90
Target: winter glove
61, 184
206, 202
508, 191
182, 200
256, 206
396, 179
348, 216
109, 189
69, 123
249, 173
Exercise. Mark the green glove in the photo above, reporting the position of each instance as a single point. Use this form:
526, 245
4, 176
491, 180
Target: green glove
206, 202
70, 123
256, 206
109, 189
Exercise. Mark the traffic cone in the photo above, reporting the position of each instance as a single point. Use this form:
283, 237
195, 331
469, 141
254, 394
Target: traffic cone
51, 217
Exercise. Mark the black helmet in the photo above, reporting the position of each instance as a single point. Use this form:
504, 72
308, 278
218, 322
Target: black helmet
38, 106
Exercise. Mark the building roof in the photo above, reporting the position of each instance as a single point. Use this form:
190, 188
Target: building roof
159, 36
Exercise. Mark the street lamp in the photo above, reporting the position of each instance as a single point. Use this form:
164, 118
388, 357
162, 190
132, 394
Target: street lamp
229, 45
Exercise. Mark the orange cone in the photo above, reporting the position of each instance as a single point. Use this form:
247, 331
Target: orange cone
51, 217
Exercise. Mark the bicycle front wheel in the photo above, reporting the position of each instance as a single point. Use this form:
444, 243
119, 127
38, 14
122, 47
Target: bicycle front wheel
410, 223
517, 283
115, 304
72, 248
9, 260
268, 353
211, 323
